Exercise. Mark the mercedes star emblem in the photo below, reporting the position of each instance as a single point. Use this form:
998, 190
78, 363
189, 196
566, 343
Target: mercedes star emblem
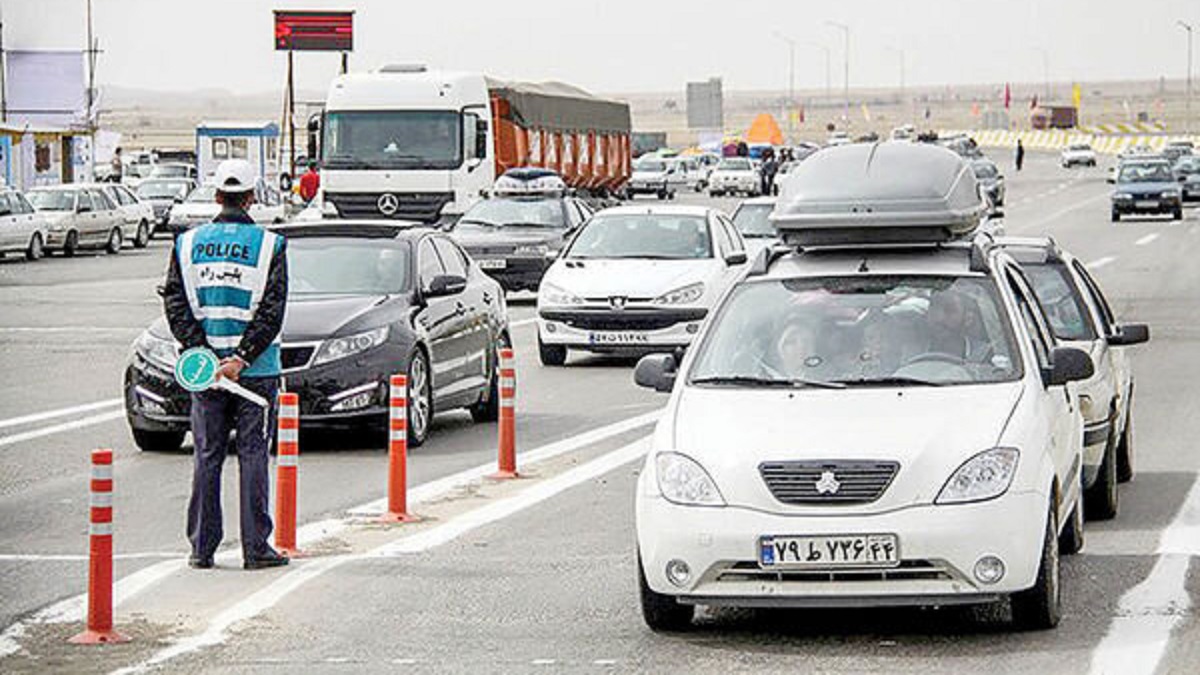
388, 204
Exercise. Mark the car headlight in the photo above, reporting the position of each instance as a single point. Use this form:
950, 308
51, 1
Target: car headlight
984, 476
549, 294
1170, 194
681, 296
1121, 197
532, 250
683, 481
340, 348
159, 351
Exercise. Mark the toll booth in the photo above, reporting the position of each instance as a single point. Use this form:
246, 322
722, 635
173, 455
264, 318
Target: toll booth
255, 142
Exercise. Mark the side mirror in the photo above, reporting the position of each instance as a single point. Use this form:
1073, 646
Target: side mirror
1130, 334
1068, 364
736, 258
444, 285
473, 164
657, 372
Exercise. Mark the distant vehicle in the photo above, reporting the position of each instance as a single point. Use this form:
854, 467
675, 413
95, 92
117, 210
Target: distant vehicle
965, 147
905, 133
136, 166
654, 176
1078, 154
163, 194
838, 138
752, 220
365, 298
22, 229
735, 175
692, 175
137, 216
1146, 186
991, 181
1173, 152
637, 279
515, 234
201, 206
173, 170
1054, 117
1187, 172
78, 217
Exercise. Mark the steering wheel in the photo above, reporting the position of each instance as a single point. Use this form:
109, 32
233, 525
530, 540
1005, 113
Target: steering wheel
935, 357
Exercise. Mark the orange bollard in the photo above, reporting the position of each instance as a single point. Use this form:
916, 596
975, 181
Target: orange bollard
398, 453
507, 460
287, 466
100, 573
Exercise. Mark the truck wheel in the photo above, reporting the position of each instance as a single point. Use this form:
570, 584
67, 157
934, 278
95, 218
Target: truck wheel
662, 613
551, 355
1039, 608
158, 441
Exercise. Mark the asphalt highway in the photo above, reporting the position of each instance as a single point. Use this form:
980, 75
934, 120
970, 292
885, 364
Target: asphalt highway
537, 575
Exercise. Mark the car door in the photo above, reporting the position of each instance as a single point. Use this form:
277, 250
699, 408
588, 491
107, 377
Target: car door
85, 218
1115, 359
107, 215
438, 319
128, 216
472, 334
10, 229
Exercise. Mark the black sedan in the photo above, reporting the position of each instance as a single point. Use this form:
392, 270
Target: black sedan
367, 300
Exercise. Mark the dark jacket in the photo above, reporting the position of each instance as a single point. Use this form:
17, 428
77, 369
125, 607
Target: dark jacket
268, 318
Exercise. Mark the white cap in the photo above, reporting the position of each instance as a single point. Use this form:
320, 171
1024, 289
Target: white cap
235, 175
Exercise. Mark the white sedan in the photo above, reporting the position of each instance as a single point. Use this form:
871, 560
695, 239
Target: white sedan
1078, 154
201, 207
735, 175
137, 216
22, 230
637, 279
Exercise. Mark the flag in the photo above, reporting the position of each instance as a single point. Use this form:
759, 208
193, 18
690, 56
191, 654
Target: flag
1007, 96
1076, 95
866, 113
1033, 102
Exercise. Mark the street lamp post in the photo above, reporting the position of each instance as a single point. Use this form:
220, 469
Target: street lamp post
846, 73
791, 81
828, 79
1187, 121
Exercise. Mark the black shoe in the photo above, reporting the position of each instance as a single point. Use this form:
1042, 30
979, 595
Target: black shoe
197, 562
269, 559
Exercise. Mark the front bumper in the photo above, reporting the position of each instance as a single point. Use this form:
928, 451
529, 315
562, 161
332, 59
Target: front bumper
623, 330
939, 546
746, 185
1191, 191
1147, 205
645, 188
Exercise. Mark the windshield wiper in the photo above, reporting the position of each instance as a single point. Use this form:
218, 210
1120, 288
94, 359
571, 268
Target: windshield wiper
891, 381
754, 381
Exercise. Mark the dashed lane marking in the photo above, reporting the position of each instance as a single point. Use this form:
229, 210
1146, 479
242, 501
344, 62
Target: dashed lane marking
1101, 262
61, 412
1146, 239
71, 557
59, 428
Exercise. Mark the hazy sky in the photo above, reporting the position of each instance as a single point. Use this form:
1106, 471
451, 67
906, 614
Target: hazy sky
626, 45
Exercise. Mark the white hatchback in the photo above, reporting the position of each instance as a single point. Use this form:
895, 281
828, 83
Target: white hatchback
637, 279
865, 428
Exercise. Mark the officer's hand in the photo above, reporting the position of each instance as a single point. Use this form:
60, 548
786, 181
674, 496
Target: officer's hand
231, 368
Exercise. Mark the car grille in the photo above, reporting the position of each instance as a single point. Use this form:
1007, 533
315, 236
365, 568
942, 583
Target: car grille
422, 206
1146, 195
476, 251
852, 482
630, 319
296, 357
907, 570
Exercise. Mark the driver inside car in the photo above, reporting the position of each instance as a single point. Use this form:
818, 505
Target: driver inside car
955, 328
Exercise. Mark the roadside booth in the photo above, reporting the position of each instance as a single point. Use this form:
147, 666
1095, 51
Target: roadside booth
255, 142
32, 156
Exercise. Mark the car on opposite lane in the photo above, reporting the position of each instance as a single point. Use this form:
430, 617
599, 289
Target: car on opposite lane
1078, 154
22, 229
365, 298
636, 279
78, 217
1146, 186
735, 175
1080, 316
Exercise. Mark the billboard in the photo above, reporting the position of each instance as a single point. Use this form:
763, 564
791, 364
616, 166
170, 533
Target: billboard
705, 105
46, 88
307, 31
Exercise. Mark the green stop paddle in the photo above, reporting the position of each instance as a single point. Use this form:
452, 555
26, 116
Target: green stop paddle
196, 370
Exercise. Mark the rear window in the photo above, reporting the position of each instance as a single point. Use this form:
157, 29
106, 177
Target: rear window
1060, 301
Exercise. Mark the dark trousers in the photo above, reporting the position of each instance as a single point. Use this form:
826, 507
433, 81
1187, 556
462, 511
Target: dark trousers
214, 414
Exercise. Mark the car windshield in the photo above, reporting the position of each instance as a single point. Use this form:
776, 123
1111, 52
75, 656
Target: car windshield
52, 200
516, 212
650, 166
985, 170
169, 171
643, 235
205, 194
734, 165
162, 190
1062, 305
752, 220
1145, 173
342, 266
860, 331
393, 139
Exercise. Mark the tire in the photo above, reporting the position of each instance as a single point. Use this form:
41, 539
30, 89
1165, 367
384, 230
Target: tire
551, 355
488, 407
1116, 217
662, 195
662, 613
1101, 499
715, 194
420, 399
113, 246
1125, 448
158, 441
1039, 607
671, 195
35, 250
143, 235
71, 245
1178, 214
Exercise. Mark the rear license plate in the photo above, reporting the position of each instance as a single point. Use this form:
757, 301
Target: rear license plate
1146, 204
492, 263
618, 338
817, 552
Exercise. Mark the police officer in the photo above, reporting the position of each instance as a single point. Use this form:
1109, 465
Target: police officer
226, 290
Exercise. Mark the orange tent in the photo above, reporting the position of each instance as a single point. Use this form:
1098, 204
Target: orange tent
764, 130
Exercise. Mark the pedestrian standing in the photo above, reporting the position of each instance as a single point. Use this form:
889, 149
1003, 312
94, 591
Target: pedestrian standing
1020, 155
226, 290
767, 172
310, 182
117, 167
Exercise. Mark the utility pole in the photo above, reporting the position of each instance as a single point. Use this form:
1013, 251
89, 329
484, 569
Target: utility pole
1187, 122
791, 82
3, 73
846, 73
828, 79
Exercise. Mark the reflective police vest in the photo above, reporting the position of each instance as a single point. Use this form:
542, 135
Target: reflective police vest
224, 268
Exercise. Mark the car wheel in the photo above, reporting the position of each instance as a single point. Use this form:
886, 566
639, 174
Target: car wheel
488, 407
662, 194
1178, 214
114, 241
143, 235
671, 194
158, 441
1116, 217
35, 251
1100, 500
551, 355
71, 246
420, 399
1039, 608
662, 613
1125, 448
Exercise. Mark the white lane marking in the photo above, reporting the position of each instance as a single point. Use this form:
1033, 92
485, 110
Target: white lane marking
605, 662
1141, 631
221, 626
59, 428
1146, 239
72, 557
71, 329
543, 662
1062, 212
522, 322
61, 412
1101, 262
404, 662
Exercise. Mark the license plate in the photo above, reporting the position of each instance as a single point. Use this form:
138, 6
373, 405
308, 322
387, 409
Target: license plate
815, 552
618, 338
1146, 204
493, 264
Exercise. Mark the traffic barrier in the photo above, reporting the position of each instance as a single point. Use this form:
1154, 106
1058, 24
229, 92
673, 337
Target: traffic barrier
100, 559
287, 466
397, 511
507, 460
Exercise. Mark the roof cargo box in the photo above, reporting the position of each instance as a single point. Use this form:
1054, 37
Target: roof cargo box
879, 194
